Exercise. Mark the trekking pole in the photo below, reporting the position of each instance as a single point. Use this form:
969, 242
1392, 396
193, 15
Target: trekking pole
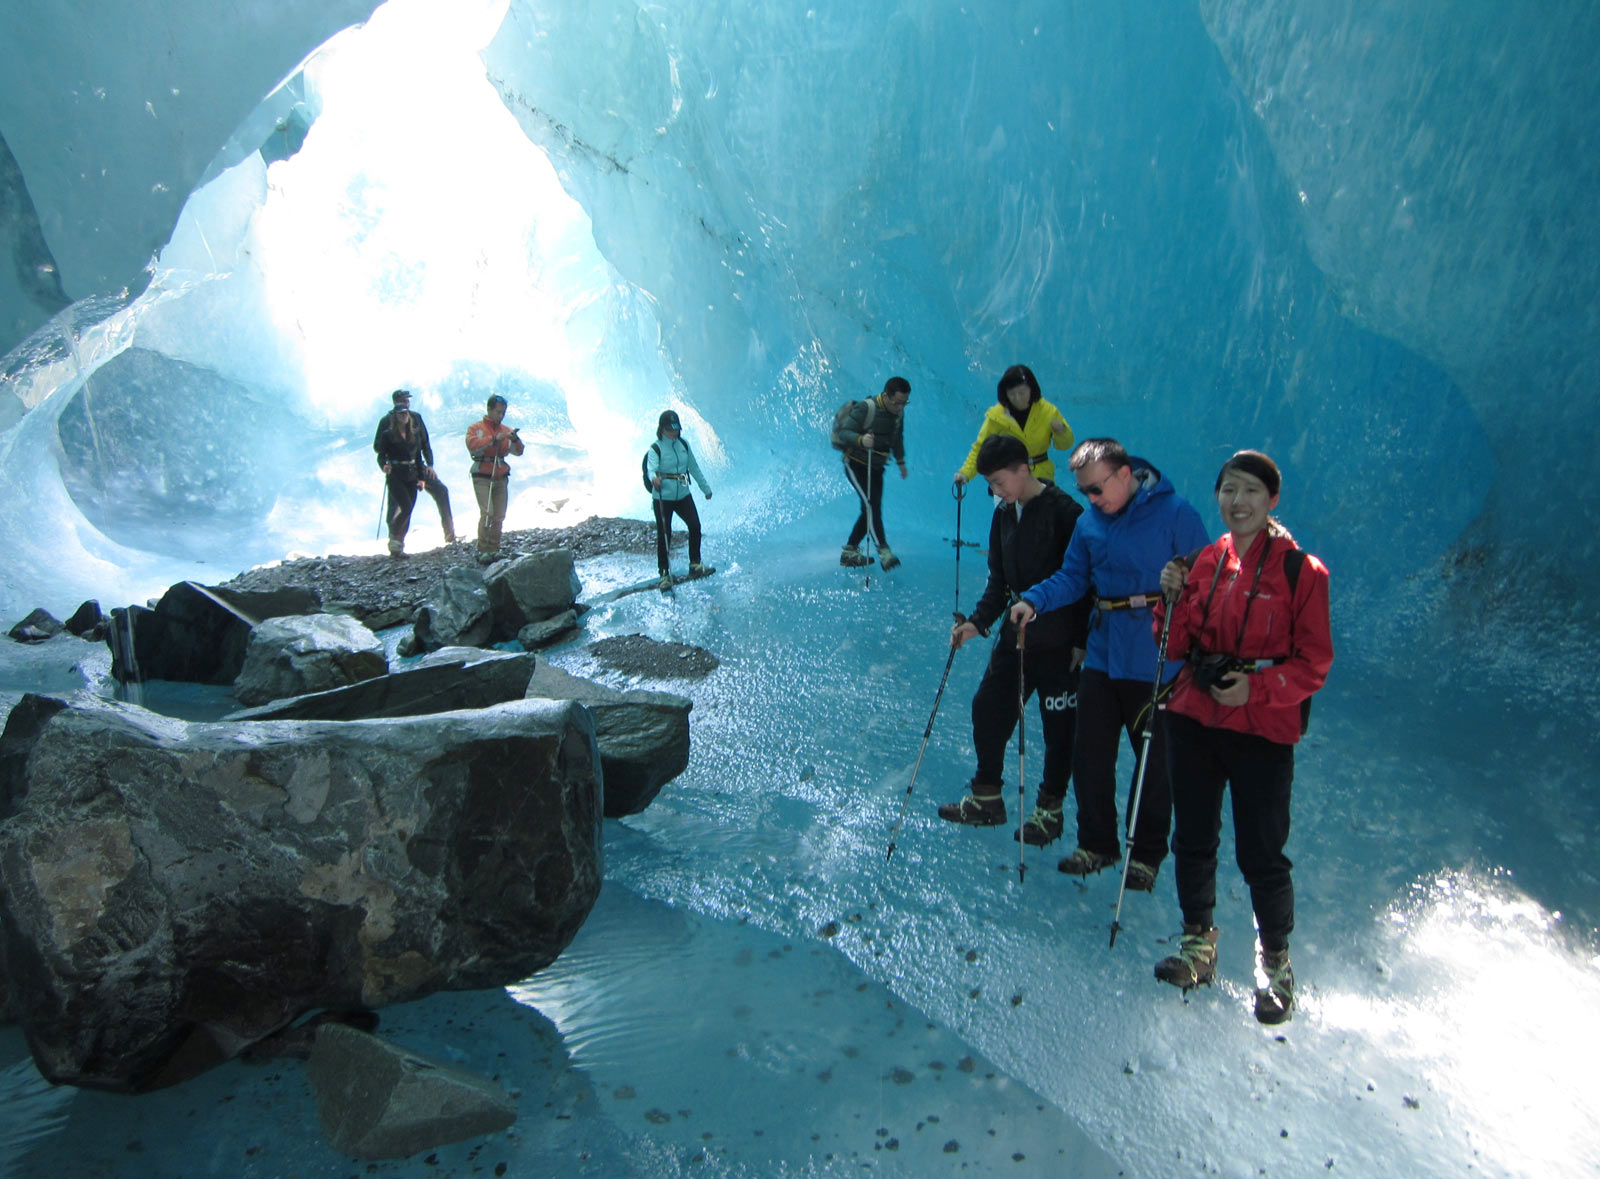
1022, 744
894, 833
866, 508
959, 490
1144, 757
383, 507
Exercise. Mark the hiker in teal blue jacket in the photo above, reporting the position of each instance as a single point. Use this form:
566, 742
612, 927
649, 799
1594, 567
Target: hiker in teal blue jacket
1135, 524
668, 465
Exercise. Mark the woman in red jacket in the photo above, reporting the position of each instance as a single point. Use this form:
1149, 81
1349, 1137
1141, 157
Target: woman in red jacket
1251, 618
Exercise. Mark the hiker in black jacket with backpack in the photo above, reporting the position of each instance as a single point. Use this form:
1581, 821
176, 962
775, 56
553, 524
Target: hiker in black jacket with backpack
668, 466
869, 432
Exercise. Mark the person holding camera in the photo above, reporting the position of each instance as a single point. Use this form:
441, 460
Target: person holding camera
1250, 616
489, 441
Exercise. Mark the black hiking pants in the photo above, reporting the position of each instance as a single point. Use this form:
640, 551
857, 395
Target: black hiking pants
691, 517
1205, 761
994, 715
402, 483
1106, 709
868, 486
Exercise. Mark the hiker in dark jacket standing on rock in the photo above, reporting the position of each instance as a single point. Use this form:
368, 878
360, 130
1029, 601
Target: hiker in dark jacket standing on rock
406, 456
1033, 523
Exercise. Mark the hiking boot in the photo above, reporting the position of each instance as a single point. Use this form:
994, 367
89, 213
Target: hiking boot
696, 569
1083, 862
1274, 999
1041, 828
1194, 963
975, 810
665, 583
886, 559
397, 548
854, 557
450, 537
487, 558
1142, 876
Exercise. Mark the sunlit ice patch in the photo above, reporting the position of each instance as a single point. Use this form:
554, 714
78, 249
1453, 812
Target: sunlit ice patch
1497, 1004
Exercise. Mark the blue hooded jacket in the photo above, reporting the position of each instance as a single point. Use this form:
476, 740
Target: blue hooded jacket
1118, 556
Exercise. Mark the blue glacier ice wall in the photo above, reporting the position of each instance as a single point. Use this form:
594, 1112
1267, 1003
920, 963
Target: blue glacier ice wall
1356, 242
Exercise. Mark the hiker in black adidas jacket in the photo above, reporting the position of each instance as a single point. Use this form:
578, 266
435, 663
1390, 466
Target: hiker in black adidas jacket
1033, 521
869, 432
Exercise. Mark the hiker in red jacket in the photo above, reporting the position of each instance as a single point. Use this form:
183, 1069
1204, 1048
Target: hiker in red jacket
1251, 619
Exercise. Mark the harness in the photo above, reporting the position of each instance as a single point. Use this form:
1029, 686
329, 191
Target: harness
1035, 459
1131, 602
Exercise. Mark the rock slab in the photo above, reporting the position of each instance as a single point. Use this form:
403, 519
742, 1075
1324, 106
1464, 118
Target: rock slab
449, 679
307, 653
172, 892
379, 1101
196, 633
643, 736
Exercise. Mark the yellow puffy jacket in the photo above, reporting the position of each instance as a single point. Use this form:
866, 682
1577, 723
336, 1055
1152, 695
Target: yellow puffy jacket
1036, 435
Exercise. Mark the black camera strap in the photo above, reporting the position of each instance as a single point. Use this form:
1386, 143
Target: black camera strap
1250, 597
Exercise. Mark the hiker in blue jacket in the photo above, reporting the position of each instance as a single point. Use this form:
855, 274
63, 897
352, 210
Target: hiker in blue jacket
669, 465
1135, 524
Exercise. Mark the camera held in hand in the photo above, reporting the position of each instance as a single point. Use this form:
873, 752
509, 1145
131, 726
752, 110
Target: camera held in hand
1212, 669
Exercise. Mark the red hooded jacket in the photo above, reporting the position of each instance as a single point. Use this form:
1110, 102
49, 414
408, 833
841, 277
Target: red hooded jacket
1272, 627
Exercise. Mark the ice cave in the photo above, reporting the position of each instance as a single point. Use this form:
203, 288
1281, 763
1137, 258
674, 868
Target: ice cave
1356, 236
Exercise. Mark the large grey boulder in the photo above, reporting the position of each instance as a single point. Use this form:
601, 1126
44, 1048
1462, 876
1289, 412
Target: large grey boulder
196, 633
38, 626
379, 1101
531, 589
172, 892
307, 653
643, 735
536, 636
461, 616
449, 679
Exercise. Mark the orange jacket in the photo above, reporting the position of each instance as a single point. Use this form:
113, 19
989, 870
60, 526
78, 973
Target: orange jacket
489, 443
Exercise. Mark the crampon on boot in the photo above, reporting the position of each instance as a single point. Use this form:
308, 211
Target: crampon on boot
1083, 862
1042, 827
978, 808
1274, 987
1195, 962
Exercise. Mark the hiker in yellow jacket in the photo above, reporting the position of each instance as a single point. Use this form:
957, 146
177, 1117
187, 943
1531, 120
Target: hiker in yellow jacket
1022, 412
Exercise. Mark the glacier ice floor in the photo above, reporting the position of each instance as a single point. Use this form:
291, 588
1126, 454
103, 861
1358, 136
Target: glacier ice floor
760, 992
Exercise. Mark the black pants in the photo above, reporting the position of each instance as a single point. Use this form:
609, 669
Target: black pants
691, 517
994, 715
871, 514
441, 500
402, 481
1205, 761
1106, 709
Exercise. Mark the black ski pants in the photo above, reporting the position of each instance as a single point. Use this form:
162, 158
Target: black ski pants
1205, 761
1106, 709
402, 483
994, 715
867, 483
691, 517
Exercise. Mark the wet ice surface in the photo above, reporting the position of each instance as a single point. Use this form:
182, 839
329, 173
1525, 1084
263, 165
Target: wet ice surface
754, 993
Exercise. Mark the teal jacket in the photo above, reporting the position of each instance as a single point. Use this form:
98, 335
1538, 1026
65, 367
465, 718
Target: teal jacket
672, 459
